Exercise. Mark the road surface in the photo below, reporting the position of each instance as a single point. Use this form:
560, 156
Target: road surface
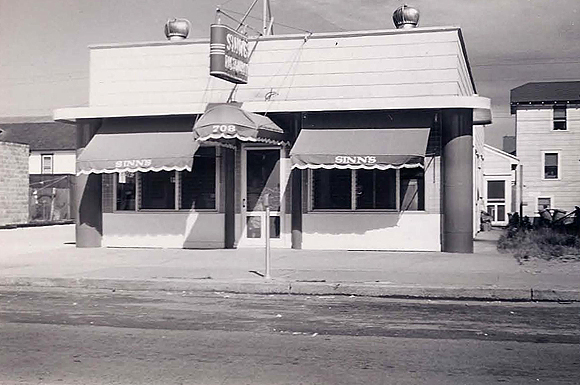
66, 336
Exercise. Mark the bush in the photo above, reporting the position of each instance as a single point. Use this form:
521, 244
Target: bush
544, 243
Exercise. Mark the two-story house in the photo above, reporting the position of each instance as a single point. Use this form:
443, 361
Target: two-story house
548, 145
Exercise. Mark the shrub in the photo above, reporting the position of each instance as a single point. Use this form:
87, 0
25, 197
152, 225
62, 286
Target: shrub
544, 243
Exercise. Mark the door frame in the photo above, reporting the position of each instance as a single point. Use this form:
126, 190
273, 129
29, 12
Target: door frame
255, 242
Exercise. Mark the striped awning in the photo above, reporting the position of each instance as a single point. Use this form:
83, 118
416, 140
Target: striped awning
360, 148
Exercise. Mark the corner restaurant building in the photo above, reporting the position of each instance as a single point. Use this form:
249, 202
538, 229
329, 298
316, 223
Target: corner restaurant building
362, 141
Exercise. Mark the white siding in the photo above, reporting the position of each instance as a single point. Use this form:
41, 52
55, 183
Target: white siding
64, 162
535, 136
367, 65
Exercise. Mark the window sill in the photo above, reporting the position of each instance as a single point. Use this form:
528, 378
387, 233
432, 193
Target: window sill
320, 211
164, 211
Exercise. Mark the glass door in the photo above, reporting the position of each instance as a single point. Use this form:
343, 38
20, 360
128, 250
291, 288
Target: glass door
261, 179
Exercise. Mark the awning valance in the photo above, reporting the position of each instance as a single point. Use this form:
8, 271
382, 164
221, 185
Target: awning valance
152, 151
229, 121
360, 148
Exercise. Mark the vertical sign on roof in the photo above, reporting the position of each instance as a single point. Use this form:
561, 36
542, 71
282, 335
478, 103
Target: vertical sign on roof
229, 54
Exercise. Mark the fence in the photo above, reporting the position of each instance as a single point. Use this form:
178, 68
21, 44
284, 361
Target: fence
50, 197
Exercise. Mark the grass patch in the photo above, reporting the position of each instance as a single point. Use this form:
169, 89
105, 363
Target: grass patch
543, 243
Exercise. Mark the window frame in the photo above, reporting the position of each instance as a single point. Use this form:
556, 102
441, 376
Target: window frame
353, 209
177, 205
551, 198
48, 156
543, 170
559, 119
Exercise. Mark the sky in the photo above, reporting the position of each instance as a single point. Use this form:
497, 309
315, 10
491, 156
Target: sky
44, 56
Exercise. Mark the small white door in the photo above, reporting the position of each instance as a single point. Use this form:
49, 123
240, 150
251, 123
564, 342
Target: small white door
260, 177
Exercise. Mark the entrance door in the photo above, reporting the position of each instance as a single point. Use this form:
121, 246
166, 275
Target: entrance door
261, 177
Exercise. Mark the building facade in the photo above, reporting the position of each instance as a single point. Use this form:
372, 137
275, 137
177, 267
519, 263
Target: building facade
361, 140
548, 145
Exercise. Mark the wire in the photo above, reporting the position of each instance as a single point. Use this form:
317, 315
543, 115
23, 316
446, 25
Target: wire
237, 21
275, 23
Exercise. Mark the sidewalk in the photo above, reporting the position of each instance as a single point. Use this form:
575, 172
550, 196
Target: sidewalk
47, 256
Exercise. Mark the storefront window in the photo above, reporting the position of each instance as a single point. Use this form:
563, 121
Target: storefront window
412, 189
198, 187
158, 190
126, 191
332, 189
376, 189
338, 189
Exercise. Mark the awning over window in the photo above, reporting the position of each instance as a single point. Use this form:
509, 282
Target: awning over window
360, 148
152, 151
229, 121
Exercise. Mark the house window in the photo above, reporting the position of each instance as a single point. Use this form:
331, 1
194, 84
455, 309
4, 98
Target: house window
126, 190
560, 118
551, 165
158, 190
198, 187
46, 163
544, 203
338, 189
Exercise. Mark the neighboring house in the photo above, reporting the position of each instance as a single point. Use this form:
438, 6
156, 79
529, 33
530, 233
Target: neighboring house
500, 193
51, 165
548, 144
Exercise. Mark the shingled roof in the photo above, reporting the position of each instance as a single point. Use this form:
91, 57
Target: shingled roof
51, 136
547, 92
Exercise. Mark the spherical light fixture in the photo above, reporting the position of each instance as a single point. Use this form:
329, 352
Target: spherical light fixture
406, 17
176, 29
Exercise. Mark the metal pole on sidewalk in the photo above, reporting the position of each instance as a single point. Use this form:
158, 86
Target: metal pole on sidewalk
267, 234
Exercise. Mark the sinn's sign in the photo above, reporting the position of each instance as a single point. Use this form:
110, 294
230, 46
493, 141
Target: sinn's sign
133, 163
229, 54
345, 159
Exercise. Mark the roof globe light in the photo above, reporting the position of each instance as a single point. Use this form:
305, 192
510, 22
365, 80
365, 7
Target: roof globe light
406, 17
176, 29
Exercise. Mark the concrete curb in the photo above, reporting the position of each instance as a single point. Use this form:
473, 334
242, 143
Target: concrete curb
361, 289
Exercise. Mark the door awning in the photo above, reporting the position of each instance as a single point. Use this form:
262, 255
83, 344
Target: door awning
229, 121
360, 148
151, 151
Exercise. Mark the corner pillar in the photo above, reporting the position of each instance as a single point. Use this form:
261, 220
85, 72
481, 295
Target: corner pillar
87, 195
457, 186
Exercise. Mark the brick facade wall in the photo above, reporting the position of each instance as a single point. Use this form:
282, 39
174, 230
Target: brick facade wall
13, 183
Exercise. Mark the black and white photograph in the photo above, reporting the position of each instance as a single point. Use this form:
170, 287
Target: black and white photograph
272, 192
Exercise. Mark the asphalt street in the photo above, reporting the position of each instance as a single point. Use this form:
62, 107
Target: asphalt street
66, 336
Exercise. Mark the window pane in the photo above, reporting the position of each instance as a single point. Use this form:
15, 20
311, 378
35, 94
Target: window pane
46, 164
263, 177
376, 189
198, 186
275, 227
491, 211
496, 189
253, 227
412, 189
332, 189
158, 190
544, 204
550, 166
501, 213
559, 112
126, 191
